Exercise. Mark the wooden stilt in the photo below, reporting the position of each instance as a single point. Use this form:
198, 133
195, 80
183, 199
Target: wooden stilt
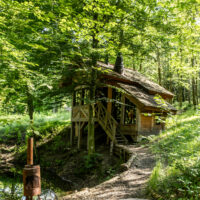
79, 135
72, 134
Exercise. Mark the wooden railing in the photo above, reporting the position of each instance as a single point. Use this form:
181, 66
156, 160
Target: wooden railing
80, 113
106, 120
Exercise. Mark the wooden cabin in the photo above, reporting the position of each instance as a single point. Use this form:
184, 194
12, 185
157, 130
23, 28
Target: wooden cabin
128, 105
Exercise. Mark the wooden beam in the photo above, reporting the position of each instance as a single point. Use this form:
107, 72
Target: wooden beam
152, 122
134, 101
138, 120
72, 124
72, 133
76, 129
81, 87
79, 135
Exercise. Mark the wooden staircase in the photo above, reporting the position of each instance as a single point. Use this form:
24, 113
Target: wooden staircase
121, 139
109, 124
80, 115
106, 120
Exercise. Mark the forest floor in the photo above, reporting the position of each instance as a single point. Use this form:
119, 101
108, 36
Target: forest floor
129, 184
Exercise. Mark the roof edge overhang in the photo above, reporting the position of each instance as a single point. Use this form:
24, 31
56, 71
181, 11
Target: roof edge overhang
144, 107
125, 80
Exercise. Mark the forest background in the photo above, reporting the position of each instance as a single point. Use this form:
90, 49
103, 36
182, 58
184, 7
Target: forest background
44, 42
40, 41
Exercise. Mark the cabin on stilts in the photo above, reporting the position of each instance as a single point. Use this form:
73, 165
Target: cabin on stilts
127, 105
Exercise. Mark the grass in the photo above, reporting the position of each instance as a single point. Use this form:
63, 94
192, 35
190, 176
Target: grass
18, 126
177, 173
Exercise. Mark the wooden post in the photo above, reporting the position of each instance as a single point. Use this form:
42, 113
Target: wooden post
30, 158
113, 140
152, 121
30, 152
72, 134
31, 175
76, 129
109, 106
79, 135
138, 120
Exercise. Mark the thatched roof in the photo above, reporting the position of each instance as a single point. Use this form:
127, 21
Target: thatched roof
144, 91
147, 101
132, 77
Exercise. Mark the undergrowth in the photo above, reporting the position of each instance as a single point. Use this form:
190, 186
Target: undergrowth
18, 126
177, 173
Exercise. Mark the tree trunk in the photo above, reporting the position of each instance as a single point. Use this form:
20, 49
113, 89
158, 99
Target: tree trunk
180, 97
140, 65
30, 105
194, 87
189, 93
159, 68
91, 122
193, 92
31, 113
196, 91
92, 89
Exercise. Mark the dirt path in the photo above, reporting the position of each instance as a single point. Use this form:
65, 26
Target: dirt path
129, 184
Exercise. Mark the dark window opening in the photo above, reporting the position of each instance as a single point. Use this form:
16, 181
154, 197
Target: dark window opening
85, 96
130, 112
101, 95
116, 105
81, 97
77, 98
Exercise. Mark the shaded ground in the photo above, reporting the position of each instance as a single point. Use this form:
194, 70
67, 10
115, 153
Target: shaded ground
129, 184
63, 168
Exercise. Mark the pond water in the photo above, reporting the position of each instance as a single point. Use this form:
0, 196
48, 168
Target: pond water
11, 187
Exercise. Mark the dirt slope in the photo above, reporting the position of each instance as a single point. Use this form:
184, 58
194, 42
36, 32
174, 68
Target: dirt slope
129, 184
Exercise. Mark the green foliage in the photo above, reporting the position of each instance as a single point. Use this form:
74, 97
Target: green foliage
43, 43
176, 175
17, 126
185, 106
92, 160
89, 164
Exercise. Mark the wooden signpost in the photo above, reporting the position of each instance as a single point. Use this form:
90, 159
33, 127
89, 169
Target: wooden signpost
31, 175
